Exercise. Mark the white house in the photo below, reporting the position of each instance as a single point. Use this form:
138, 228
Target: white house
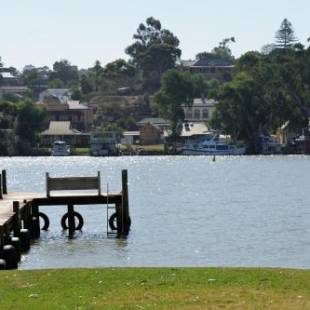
201, 110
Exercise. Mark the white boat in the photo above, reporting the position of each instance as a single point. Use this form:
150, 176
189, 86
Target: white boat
210, 144
60, 148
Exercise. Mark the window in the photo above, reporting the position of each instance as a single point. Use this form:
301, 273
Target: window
205, 114
188, 114
196, 114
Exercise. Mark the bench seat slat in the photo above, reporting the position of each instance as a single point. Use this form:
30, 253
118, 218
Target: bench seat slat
72, 183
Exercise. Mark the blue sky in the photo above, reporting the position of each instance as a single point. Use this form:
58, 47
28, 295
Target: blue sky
39, 32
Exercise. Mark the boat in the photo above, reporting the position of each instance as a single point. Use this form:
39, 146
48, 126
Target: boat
211, 144
104, 143
270, 145
60, 148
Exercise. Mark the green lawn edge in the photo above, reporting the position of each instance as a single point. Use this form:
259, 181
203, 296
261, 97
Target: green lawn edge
156, 288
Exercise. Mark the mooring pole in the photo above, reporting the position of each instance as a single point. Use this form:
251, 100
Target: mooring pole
125, 203
16, 226
1, 238
4, 184
119, 219
71, 220
1, 193
35, 222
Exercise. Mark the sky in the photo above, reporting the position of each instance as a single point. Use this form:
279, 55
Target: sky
40, 32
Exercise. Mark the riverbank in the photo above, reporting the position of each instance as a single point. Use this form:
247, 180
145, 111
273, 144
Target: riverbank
150, 288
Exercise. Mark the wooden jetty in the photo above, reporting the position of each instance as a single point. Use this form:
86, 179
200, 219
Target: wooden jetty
20, 212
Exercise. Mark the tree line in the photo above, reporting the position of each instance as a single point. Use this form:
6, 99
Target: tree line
267, 89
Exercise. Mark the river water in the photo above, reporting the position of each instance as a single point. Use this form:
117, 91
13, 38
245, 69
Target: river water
186, 211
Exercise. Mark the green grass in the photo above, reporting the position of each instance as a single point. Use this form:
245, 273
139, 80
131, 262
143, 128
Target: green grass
163, 288
80, 151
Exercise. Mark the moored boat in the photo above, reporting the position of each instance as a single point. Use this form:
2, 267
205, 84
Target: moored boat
60, 148
210, 144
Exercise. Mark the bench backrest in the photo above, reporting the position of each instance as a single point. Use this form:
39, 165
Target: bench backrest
74, 183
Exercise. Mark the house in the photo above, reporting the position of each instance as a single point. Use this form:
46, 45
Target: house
201, 110
62, 130
150, 134
80, 115
131, 137
15, 90
158, 122
7, 78
212, 67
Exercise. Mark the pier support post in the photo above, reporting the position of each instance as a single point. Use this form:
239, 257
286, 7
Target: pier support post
1, 192
1, 238
125, 203
24, 240
16, 225
10, 256
35, 222
119, 220
16, 244
4, 183
71, 220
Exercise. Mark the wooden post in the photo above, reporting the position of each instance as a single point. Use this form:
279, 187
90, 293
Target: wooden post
26, 217
4, 183
35, 222
71, 220
125, 203
1, 237
119, 219
1, 193
16, 225
47, 184
99, 183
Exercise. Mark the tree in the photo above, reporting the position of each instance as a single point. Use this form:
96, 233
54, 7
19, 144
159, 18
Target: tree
97, 71
176, 90
203, 87
222, 51
35, 77
154, 51
86, 85
254, 102
29, 121
285, 36
64, 71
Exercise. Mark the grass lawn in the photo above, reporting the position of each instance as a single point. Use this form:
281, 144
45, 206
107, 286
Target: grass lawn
162, 288
80, 151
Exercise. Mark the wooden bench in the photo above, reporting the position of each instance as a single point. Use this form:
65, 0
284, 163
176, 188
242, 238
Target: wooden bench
72, 183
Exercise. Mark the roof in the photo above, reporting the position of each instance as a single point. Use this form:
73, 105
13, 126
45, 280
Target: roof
63, 94
156, 121
187, 63
131, 133
193, 129
7, 75
76, 105
217, 62
60, 129
204, 102
14, 89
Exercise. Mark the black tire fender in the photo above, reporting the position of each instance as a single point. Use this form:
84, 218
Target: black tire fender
112, 218
46, 220
78, 216
113, 223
